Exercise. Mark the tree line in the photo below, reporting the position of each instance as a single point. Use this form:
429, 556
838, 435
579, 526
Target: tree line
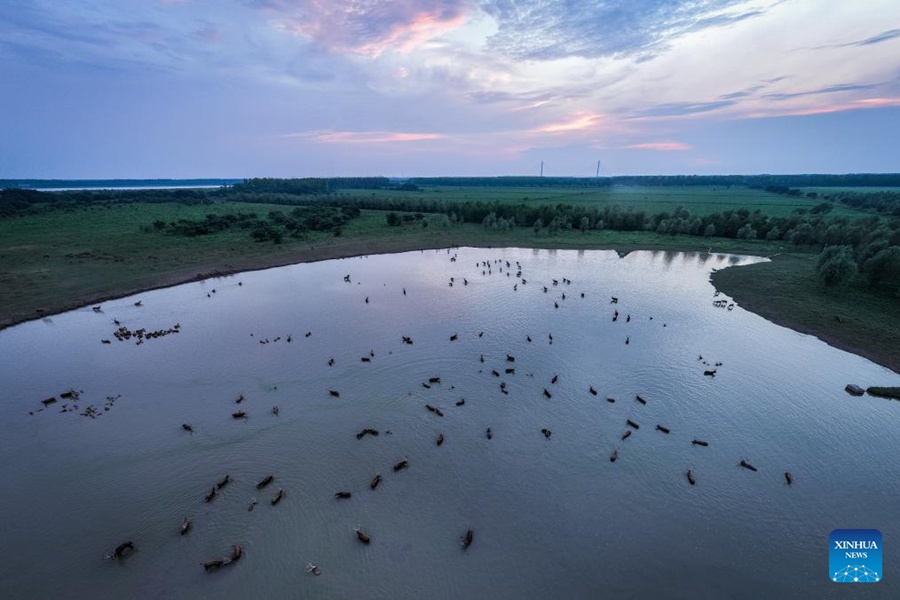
297, 223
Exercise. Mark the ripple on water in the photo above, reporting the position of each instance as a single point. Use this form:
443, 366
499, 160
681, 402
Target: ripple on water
551, 516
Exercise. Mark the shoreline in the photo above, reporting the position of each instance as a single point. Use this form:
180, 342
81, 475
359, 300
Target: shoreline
758, 307
334, 248
353, 249
828, 319
742, 288
173, 280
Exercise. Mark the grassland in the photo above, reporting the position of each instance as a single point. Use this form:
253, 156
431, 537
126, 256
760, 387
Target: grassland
61, 260
787, 291
828, 191
699, 200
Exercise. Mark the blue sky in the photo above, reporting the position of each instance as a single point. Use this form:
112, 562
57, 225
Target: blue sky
295, 88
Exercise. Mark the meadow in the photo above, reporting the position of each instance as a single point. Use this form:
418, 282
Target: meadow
650, 199
63, 258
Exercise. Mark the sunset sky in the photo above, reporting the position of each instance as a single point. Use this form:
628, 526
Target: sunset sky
299, 88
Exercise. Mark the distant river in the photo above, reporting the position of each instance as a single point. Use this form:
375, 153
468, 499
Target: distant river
551, 517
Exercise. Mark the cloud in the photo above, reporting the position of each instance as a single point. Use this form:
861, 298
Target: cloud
884, 36
210, 33
552, 29
722, 20
877, 39
365, 27
861, 104
502, 96
832, 89
742, 94
681, 109
104, 38
364, 137
663, 146
579, 122
482, 80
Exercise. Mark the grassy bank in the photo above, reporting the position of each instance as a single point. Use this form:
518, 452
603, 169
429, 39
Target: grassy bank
61, 260
787, 291
65, 259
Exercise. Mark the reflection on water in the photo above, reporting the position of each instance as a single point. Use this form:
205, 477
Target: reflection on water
551, 517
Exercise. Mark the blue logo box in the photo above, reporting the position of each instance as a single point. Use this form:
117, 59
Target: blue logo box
854, 556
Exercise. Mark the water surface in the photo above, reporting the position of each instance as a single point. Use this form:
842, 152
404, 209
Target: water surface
551, 517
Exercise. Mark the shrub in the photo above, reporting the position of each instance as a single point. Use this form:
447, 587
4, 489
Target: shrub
836, 265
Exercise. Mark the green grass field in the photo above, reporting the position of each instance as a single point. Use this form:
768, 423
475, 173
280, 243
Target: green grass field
64, 259
699, 200
851, 190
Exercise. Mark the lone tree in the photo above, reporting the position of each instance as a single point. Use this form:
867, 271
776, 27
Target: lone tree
836, 265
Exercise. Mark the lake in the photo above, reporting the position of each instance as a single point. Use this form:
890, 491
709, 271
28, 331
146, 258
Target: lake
552, 517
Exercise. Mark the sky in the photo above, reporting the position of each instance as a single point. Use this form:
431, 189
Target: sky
305, 88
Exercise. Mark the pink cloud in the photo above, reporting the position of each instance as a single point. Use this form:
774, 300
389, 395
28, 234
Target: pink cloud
407, 36
578, 122
663, 146
829, 108
366, 27
366, 137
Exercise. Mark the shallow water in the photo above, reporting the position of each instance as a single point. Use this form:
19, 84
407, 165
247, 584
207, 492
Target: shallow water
551, 517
